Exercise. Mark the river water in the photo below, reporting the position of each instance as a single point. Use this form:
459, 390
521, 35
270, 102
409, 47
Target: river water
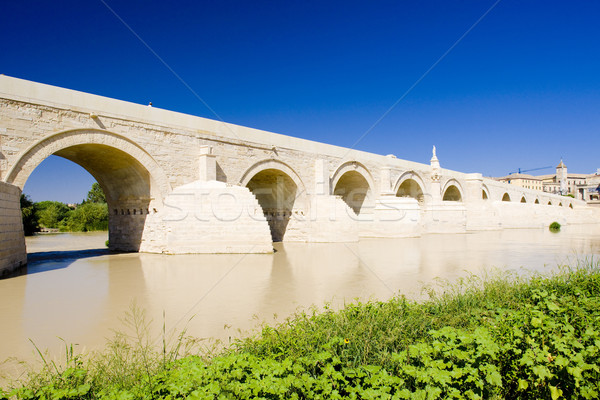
76, 290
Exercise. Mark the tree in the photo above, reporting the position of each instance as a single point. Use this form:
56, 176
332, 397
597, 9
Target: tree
29, 216
51, 213
87, 217
96, 194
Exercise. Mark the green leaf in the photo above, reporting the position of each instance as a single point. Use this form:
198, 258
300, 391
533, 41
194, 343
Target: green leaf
523, 385
555, 392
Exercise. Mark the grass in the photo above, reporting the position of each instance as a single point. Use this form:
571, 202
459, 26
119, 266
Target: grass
498, 336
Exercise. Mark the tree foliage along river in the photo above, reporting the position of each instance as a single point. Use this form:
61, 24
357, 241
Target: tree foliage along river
90, 215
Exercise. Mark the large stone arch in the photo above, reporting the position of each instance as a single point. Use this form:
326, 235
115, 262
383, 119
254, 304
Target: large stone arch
447, 189
29, 159
280, 193
410, 184
134, 184
353, 182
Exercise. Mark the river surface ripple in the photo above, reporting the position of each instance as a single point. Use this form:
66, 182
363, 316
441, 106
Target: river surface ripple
76, 290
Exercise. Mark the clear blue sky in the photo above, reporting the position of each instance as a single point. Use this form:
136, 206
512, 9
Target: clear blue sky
522, 89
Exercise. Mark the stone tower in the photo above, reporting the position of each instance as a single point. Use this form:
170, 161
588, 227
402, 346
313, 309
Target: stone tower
561, 178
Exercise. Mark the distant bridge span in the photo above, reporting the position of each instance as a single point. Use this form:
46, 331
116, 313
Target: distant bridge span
177, 183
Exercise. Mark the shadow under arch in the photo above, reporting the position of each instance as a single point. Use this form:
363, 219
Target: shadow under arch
452, 191
506, 197
410, 184
133, 182
280, 193
353, 182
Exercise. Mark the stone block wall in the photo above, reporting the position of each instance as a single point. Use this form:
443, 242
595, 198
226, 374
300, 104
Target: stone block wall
13, 253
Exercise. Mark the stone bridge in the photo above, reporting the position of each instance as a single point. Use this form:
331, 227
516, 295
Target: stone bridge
177, 183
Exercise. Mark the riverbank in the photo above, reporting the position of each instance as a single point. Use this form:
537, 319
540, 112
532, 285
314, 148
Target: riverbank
504, 336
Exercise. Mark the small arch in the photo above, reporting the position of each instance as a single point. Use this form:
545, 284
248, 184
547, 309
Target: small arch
506, 197
523, 200
560, 204
351, 166
353, 183
354, 190
410, 184
279, 192
276, 192
485, 193
452, 191
571, 206
537, 201
549, 202
271, 164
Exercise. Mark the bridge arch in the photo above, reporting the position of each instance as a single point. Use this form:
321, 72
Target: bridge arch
354, 183
452, 191
523, 199
537, 201
506, 197
485, 192
279, 191
410, 184
133, 182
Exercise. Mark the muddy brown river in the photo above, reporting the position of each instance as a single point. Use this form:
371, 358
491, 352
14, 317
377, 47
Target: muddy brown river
75, 290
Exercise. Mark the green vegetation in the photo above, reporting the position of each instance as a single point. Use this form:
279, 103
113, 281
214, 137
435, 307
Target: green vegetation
96, 194
50, 214
90, 215
554, 227
502, 337
28, 214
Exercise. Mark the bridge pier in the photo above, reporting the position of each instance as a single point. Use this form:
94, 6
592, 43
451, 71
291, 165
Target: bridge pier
13, 254
208, 217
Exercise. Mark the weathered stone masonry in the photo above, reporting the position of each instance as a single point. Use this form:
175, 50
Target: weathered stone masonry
12, 242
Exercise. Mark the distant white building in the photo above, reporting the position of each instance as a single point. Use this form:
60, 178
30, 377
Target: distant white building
523, 180
581, 186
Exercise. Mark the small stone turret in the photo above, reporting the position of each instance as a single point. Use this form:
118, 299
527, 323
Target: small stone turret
436, 175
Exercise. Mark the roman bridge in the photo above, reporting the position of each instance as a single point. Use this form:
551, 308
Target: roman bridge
177, 183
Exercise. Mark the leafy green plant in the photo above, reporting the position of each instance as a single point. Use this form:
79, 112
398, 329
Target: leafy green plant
554, 227
28, 215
